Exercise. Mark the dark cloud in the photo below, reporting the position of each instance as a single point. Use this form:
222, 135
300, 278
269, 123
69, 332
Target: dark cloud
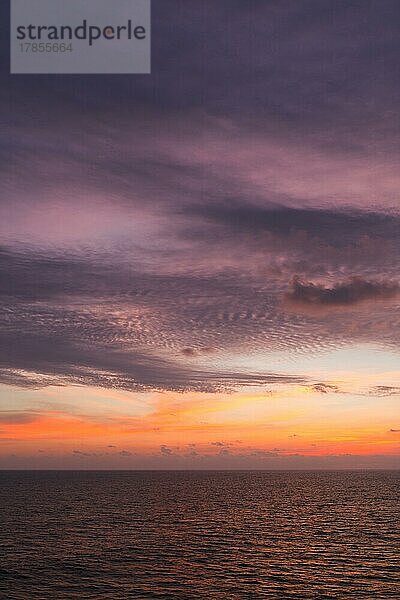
189, 352
166, 451
9, 417
65, 360
325, 388
277, 76
342, 294
280, 241
385, 390
333, 226
192, 352
82, 454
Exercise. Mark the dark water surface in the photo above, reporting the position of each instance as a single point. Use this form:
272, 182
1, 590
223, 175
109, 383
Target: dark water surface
200, 535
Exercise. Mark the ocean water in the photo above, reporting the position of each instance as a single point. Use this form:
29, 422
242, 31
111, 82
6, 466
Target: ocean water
199, 535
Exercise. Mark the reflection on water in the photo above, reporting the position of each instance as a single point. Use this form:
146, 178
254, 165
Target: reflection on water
200, 535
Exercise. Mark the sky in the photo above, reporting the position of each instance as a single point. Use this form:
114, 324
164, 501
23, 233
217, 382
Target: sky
199, 268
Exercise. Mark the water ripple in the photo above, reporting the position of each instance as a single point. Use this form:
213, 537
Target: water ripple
199, 535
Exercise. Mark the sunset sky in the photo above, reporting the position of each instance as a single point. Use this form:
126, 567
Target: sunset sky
200, 268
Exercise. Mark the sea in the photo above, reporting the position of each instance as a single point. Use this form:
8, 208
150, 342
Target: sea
199, 535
